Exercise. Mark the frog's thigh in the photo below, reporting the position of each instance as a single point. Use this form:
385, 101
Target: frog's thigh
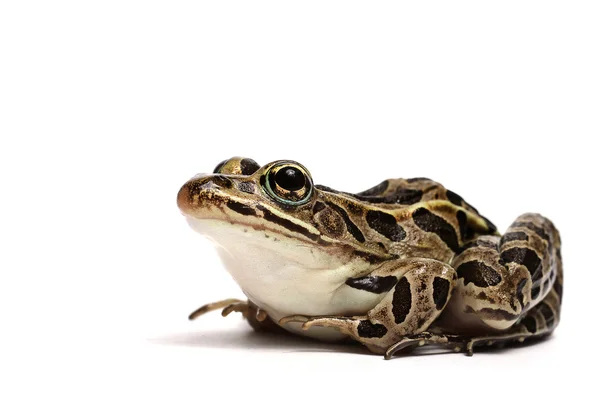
421, 288
499, 279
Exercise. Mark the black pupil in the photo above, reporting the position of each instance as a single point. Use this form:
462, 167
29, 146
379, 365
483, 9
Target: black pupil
290, 178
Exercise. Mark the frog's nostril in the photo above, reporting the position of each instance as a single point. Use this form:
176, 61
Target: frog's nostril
189, 194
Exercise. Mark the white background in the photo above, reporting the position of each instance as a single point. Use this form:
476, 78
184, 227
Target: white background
107, 107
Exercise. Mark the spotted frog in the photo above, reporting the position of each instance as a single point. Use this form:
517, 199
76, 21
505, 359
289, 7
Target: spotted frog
406, 263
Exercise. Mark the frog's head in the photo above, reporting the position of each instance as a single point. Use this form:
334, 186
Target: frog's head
276, 210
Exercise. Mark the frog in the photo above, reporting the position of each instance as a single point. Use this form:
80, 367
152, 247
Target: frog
404, 264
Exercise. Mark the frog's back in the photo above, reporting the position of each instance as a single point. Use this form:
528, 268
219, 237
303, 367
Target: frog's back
436, 221
398, 193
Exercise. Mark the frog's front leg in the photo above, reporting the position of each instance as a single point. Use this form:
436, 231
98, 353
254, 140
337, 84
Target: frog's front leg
256, 317
417, 292
227, 306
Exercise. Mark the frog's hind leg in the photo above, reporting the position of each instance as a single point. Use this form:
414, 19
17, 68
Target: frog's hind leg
508, 288
536, 323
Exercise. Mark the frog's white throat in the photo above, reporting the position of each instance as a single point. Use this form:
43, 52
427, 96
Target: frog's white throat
283, 275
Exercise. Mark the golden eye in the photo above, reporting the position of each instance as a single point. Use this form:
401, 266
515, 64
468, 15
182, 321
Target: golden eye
288, 183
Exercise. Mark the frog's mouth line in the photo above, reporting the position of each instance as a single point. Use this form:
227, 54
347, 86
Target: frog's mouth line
339, 249
241, 213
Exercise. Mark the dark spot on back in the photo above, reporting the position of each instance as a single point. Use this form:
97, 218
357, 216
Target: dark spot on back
411, 180
399, 196
386, 225
523, 256
479, 274
402, 300
441, 287
512, 236
240, 208
373, 284
247, 187
367, 329
454, 198
350, 226
375, 190
465, 230
429, 222
249, 166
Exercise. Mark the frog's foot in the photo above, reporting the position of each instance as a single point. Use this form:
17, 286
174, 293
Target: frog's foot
458, 343
455, 342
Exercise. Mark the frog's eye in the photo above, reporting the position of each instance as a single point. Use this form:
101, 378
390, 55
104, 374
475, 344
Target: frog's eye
237, 166
288, 183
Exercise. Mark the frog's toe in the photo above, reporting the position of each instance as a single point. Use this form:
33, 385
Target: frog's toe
403, 344
216, 306
241, 307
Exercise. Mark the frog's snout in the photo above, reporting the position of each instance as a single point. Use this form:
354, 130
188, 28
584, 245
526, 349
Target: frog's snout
183, 198
198, 191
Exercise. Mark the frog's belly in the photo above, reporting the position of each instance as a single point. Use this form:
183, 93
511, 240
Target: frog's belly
289, 289
286, 277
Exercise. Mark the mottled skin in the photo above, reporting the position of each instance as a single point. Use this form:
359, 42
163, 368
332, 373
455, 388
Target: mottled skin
404, 263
